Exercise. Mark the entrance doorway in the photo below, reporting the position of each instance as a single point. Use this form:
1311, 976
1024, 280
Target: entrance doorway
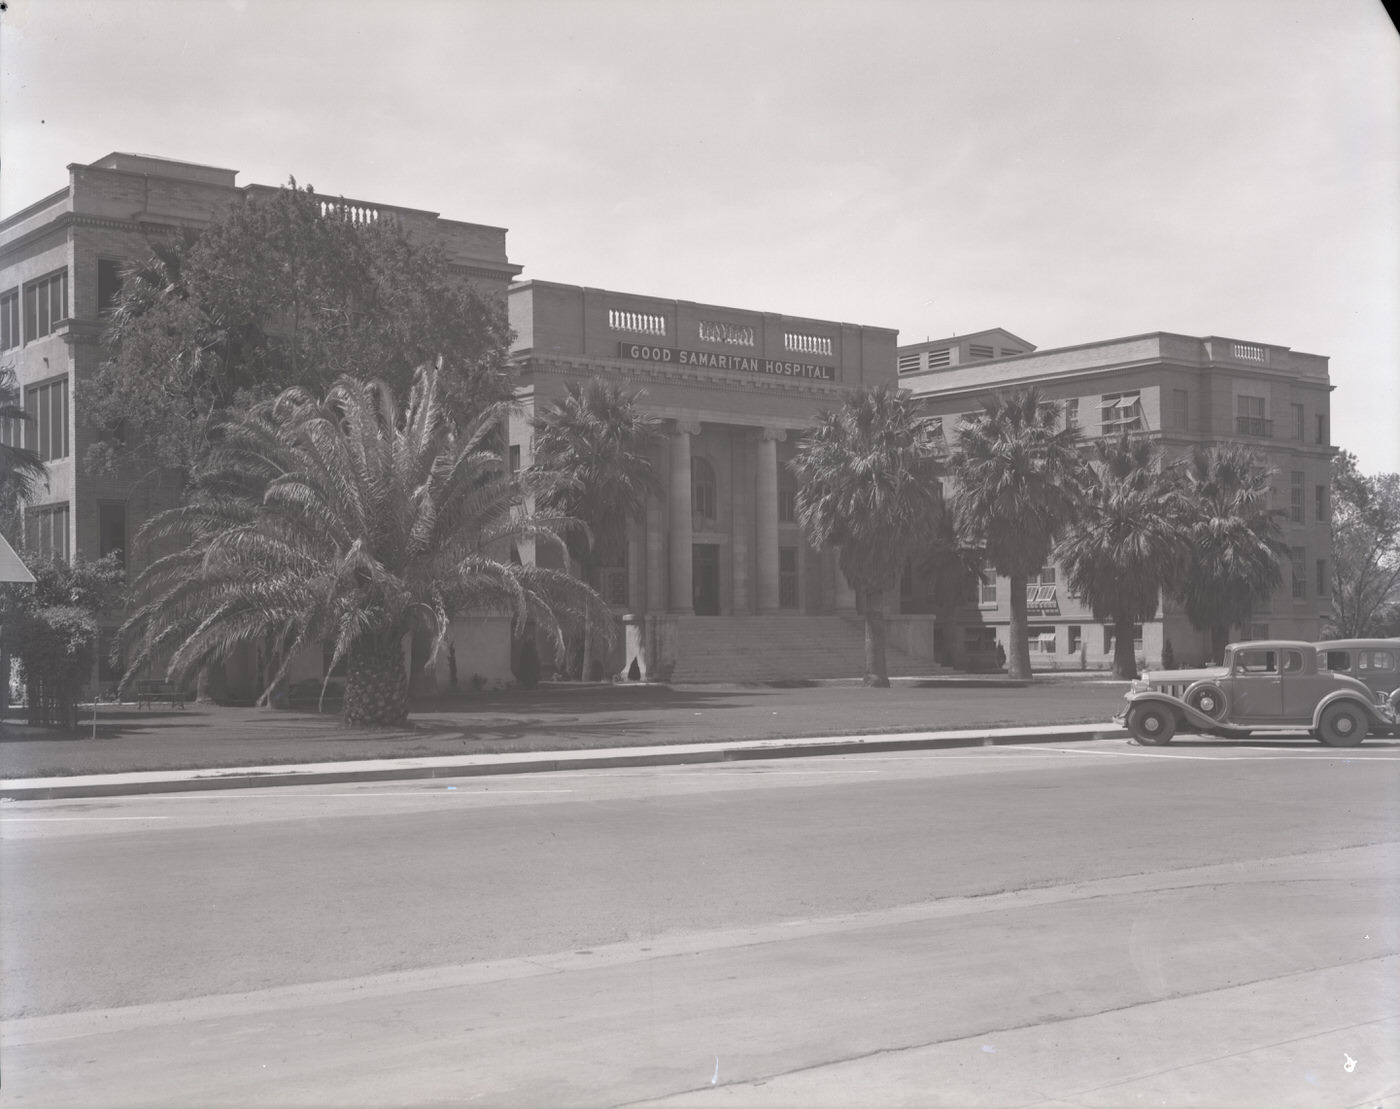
704, 578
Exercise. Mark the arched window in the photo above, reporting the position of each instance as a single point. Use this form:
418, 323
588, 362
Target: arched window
702, 481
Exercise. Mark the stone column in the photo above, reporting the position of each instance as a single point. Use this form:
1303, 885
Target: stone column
678, 505
766, 516
656, 554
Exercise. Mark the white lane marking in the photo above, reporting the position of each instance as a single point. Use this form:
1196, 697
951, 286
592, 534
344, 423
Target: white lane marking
1302, 752
32, 819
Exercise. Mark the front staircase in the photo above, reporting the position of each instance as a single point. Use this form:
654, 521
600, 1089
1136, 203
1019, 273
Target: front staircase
780, 648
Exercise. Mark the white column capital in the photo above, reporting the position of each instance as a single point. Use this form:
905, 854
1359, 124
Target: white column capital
687, 427
773, 434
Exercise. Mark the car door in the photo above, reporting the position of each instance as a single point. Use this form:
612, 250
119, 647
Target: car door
1256, 692
1301, 686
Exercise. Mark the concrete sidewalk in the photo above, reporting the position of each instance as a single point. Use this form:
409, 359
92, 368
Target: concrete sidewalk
529, 762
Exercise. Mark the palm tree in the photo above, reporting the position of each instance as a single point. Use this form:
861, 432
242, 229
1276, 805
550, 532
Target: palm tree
868, 486
21, 470
1019, 481
594, 449
344, 522
1236, 540
1128, 542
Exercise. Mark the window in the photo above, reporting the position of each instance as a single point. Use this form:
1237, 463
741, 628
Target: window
614, 574
47, 529
1072, 412
47, 407
988, 594
1256, 662
1321, 577
908, 363
1298, 422
787, 577
1258, 631
9, 320
787, 496
12, 432
109, 284
1334, 660
1321, 430
45, 305
1076, 638
1041, 638
1178, 413
515, 458
1121, 412
1292, 662
1376, 662
943, 356
1249, 418
975, 350
1108, 638
1300, 573
111, 530
1320, 503
703, 489
1295, 494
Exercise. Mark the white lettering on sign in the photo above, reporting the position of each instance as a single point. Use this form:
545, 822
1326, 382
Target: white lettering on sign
643, 352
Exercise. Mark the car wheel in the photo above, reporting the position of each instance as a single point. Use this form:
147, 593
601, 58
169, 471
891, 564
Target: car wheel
1152, 724
1208, 701
1342, 725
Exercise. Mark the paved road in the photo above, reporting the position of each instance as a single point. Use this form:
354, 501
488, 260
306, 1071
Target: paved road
1097, 924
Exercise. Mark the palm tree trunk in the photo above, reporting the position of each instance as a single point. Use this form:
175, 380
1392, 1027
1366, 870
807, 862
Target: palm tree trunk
1124, 657
591, 574
1019, 662
376, 688
422, 680
876, 671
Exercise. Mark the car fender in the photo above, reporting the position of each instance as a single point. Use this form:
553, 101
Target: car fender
1351, 697
1185, 714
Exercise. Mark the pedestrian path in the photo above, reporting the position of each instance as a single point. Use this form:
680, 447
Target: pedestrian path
529, 762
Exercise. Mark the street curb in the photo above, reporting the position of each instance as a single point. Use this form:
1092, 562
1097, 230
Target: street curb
544, 762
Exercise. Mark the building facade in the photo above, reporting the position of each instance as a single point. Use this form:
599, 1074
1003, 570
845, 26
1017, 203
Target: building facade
734, 388
1182, 392
60, 267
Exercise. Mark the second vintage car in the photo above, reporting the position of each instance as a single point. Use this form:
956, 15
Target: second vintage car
1262, 684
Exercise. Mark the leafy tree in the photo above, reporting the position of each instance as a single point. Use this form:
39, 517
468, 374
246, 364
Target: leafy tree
1236, 540
281, 291
21, 470
1019, 484
1365, 550
868, 486
51, 628
1127, 543
347, 522
594, 447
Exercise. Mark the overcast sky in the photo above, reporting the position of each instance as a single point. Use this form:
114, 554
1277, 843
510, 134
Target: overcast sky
1071, 170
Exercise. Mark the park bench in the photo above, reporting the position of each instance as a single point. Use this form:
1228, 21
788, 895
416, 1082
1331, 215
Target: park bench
149, 691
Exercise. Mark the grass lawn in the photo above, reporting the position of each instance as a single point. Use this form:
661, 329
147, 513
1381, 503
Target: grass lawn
548, 719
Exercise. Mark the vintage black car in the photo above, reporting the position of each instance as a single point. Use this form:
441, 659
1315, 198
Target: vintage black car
1262, 684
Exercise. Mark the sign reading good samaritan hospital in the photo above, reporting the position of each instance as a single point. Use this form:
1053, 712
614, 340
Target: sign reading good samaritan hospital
646, 352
